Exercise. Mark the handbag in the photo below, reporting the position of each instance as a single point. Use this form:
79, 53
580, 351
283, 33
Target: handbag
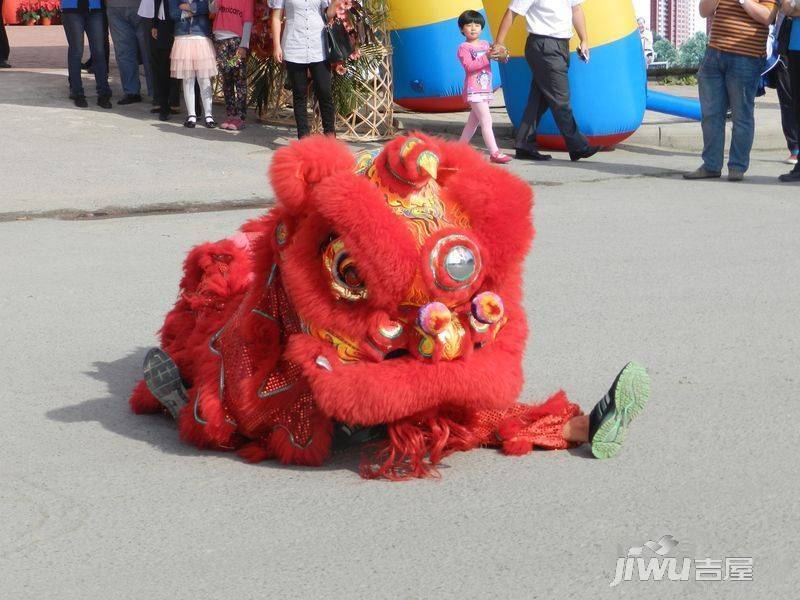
340, 47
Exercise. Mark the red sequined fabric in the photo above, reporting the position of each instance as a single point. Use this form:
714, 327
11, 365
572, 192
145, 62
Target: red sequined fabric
523, 426
284, 399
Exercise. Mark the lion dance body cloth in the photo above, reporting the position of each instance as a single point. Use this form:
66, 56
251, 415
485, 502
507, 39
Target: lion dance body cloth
383, 290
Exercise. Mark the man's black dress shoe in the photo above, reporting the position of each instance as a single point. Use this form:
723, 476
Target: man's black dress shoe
129, 99
522, 154
589, 151
790, 177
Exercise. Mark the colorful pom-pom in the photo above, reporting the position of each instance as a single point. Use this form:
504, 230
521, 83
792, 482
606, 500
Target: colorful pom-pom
434, 318
487, 307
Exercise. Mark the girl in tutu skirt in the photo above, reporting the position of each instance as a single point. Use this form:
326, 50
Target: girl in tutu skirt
193, 57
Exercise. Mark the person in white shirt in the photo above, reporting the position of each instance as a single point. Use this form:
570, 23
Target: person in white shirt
549, 25
646, 37
302, 49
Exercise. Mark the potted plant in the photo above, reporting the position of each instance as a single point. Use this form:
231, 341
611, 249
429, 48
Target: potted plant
47, 10
29, 14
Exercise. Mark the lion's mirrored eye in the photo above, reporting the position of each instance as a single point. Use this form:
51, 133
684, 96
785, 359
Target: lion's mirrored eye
455, 262
460, 263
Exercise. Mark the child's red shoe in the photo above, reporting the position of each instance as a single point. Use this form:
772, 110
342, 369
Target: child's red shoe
500, 158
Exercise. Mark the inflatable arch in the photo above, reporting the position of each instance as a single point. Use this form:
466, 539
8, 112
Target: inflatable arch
425, 36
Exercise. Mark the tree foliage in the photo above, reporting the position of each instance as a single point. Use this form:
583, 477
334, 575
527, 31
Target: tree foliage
665, 51
692, 50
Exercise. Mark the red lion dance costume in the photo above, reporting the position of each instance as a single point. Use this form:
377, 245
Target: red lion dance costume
381, 293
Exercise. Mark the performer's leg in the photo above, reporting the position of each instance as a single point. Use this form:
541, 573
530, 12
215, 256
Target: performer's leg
577, 429
558, 423
609, 420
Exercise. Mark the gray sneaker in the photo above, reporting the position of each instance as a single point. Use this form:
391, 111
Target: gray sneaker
735, 175
164, 380
702, 173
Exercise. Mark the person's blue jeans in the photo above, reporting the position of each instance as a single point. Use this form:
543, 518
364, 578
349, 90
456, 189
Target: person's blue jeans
75, 24
728, 80
131, 36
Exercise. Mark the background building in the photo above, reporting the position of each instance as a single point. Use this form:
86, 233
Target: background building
673, 19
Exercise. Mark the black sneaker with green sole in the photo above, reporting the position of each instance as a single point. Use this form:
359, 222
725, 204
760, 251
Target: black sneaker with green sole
611, 417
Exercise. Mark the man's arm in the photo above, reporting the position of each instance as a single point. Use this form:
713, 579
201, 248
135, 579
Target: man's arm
761, 13
579, 23
275, 22
707, 8
790, 8
505, 26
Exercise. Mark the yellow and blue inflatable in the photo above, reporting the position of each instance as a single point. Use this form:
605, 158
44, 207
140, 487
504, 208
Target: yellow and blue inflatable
425, 37
608, 94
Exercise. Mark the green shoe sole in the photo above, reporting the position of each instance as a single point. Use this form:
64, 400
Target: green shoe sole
630, 397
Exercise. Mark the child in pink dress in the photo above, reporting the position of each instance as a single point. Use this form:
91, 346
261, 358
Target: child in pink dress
475, 58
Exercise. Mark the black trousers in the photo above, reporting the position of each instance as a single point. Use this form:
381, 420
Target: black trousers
4, 48
298, 79
794, 87
548, 59
167, 89
783, 85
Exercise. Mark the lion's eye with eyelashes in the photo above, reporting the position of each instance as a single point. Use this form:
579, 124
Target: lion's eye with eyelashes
347, 273
346, 282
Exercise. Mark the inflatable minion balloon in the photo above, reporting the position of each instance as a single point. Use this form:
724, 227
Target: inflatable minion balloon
608, 94
425, 37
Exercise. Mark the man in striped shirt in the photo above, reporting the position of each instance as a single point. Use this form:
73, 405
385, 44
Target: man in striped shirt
728, 77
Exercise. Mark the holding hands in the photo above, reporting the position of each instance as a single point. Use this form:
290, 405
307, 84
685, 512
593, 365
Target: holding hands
498, 52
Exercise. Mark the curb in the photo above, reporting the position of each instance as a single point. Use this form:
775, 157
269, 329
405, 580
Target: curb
688, 136
676, 136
